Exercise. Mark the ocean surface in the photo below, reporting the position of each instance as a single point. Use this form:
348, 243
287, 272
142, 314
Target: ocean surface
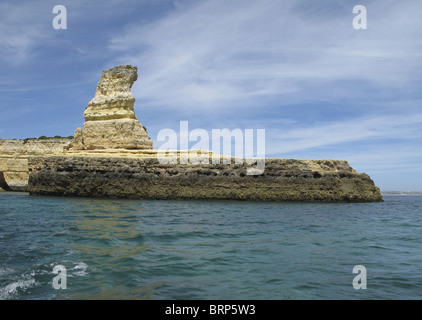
136, 249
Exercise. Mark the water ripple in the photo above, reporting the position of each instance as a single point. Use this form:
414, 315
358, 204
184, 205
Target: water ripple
133, 249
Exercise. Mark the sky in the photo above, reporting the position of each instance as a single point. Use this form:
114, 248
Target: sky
296, 68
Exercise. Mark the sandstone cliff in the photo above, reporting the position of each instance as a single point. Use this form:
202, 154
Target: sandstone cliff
112, 156
110, 120
14, 159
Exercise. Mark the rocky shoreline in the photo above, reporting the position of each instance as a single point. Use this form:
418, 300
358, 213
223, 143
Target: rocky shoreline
14, 155
147, 178
112, 156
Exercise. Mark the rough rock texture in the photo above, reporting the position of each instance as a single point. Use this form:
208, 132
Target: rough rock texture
112, 156
33, 146
146, 178
110, 120
14, 159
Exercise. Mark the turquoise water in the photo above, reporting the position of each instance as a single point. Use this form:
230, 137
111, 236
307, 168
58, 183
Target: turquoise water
135, 249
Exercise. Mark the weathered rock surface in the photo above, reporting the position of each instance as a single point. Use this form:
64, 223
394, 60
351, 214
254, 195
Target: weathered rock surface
115, 134
14, 159
110, 120
146, 178
113, 157
16, 147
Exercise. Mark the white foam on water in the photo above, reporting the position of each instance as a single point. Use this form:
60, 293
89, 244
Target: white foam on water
80, 269
12, 290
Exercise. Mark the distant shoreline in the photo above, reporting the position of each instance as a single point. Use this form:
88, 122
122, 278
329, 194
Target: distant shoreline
402, 193
384, 194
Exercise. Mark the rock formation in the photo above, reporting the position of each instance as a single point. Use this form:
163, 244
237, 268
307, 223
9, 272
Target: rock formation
14, 159
147, 178
110, 120
112, 157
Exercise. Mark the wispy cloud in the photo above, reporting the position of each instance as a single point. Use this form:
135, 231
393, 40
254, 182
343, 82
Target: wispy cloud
208, 53
20, 30
339, 132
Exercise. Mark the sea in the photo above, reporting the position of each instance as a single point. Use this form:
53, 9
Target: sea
84, 248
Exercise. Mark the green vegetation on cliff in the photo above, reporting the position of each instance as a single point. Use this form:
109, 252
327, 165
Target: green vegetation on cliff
46, 138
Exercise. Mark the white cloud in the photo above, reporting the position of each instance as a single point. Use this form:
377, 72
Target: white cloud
19, 30
390, 127
220, 53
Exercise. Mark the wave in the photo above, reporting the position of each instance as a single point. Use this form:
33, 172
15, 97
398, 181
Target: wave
12, 290
79, 270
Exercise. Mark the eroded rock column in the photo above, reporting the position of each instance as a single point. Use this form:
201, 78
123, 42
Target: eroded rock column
110, 120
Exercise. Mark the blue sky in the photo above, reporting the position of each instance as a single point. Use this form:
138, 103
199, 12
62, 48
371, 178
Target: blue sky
296, 68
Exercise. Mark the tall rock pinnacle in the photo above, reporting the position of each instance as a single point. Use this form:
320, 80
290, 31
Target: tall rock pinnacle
110, 120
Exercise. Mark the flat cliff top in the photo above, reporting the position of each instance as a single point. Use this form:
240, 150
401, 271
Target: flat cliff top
150, 178
152, 158
33, 146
